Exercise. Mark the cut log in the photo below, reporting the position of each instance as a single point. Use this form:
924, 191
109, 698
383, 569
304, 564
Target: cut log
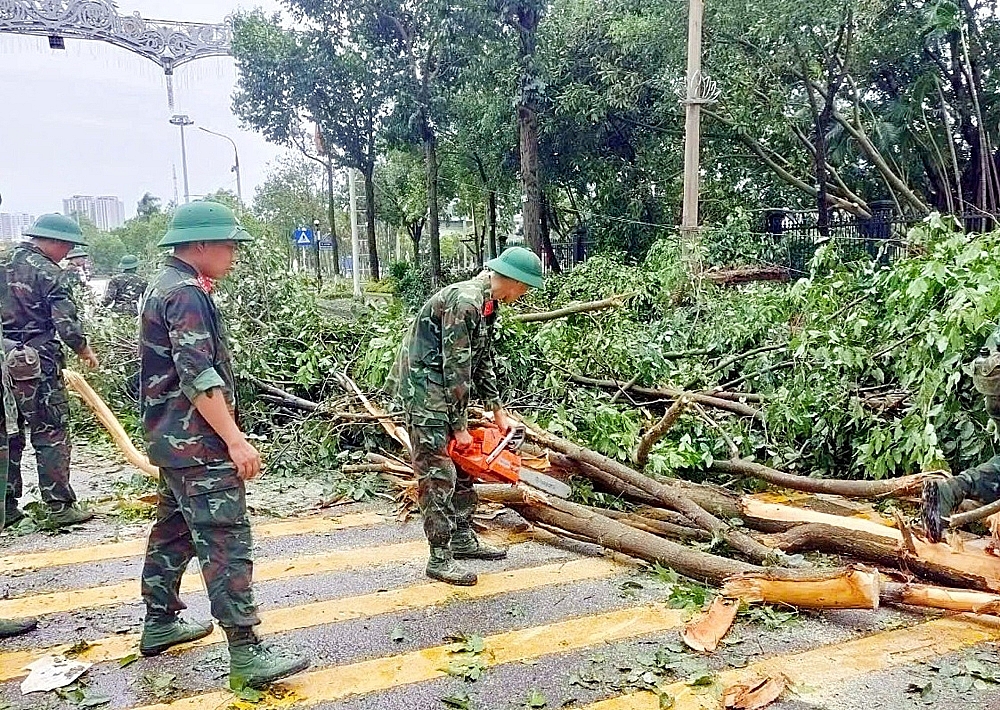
856, 587
664, 528
665, 495
705, 633
746, 274
848, 489
754, 509
941, 598
99, 407
961, 519
873, 549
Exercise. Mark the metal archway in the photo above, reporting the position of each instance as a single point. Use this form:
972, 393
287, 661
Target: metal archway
169, 44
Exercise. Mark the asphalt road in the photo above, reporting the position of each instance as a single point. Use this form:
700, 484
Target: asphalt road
559, 625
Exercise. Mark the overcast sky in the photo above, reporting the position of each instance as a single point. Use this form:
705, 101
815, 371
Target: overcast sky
92, 120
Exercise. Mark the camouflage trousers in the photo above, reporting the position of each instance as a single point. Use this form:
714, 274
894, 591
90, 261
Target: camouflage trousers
4, 462
42, 408
201, 511
445, 494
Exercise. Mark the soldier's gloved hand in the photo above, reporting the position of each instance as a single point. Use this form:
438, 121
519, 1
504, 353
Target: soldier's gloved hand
89, 358
245, 457
463, 439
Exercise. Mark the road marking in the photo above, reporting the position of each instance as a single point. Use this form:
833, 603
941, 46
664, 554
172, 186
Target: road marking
337, 682
135, 548
812, 672
114, 648
269, 570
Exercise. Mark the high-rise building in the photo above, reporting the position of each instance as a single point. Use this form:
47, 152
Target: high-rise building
12, 226
107, 212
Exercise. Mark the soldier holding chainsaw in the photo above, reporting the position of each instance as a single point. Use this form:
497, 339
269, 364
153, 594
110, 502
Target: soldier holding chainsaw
444, 355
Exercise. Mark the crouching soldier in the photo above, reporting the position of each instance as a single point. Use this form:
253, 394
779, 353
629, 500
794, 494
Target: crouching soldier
188, 414
446, 353
125, 289
942, 497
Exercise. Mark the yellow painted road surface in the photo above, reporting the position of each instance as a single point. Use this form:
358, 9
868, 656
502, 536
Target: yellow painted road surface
548, 617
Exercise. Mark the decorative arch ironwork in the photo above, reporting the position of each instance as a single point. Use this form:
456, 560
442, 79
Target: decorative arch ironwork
169, 44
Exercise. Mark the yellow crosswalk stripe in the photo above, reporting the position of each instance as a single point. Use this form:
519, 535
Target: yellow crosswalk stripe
813, 672
336, 682
268, 570
134, 548
114, 648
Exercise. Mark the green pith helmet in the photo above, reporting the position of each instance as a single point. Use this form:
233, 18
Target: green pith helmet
128, 263
519, 264
57, 226
203, 222
76, 253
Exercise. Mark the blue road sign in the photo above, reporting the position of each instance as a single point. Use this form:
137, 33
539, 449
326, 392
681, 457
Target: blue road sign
325, 243
302, 237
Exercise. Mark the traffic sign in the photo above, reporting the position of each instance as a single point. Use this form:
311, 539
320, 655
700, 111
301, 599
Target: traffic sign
325, 243
302, 237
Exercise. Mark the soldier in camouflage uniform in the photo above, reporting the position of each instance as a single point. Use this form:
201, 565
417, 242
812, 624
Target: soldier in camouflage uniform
8, 419
444, 355
37, 306
76, 267
125, 289
941, 497
189, 417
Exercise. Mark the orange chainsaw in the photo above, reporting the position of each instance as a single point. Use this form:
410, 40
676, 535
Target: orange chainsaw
493, 458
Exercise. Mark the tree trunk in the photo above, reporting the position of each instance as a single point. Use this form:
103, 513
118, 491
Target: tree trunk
527, 124
332, 213
492, 216
546, 237
431, 166
370, 222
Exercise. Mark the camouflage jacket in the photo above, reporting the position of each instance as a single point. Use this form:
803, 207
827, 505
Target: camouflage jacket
445, 353
38, 304
183, 353
124, 292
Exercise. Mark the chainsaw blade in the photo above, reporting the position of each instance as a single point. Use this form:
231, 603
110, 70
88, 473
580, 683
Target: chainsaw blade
546, 484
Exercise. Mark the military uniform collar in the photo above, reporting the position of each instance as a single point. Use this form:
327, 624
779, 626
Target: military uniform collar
181, 265
484, 284
34, 248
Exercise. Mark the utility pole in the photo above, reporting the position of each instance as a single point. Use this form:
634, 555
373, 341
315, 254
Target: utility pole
693, 99
236, 161
182, 120
355, 240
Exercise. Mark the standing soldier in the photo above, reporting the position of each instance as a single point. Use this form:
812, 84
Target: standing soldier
446, 352
36, 306
189, 416
125, 289
76, 266
8, 417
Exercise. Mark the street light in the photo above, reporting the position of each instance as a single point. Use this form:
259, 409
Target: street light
236, 163
182, 120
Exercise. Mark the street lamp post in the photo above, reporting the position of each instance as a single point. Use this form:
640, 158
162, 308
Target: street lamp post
182, 120
236, 161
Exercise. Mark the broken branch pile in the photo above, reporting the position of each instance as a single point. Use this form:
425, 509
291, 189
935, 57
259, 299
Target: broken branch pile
753, 543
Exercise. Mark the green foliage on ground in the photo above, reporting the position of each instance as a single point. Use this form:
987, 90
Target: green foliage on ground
850, 331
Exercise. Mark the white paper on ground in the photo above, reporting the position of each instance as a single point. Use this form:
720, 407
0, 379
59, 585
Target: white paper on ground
51, 672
